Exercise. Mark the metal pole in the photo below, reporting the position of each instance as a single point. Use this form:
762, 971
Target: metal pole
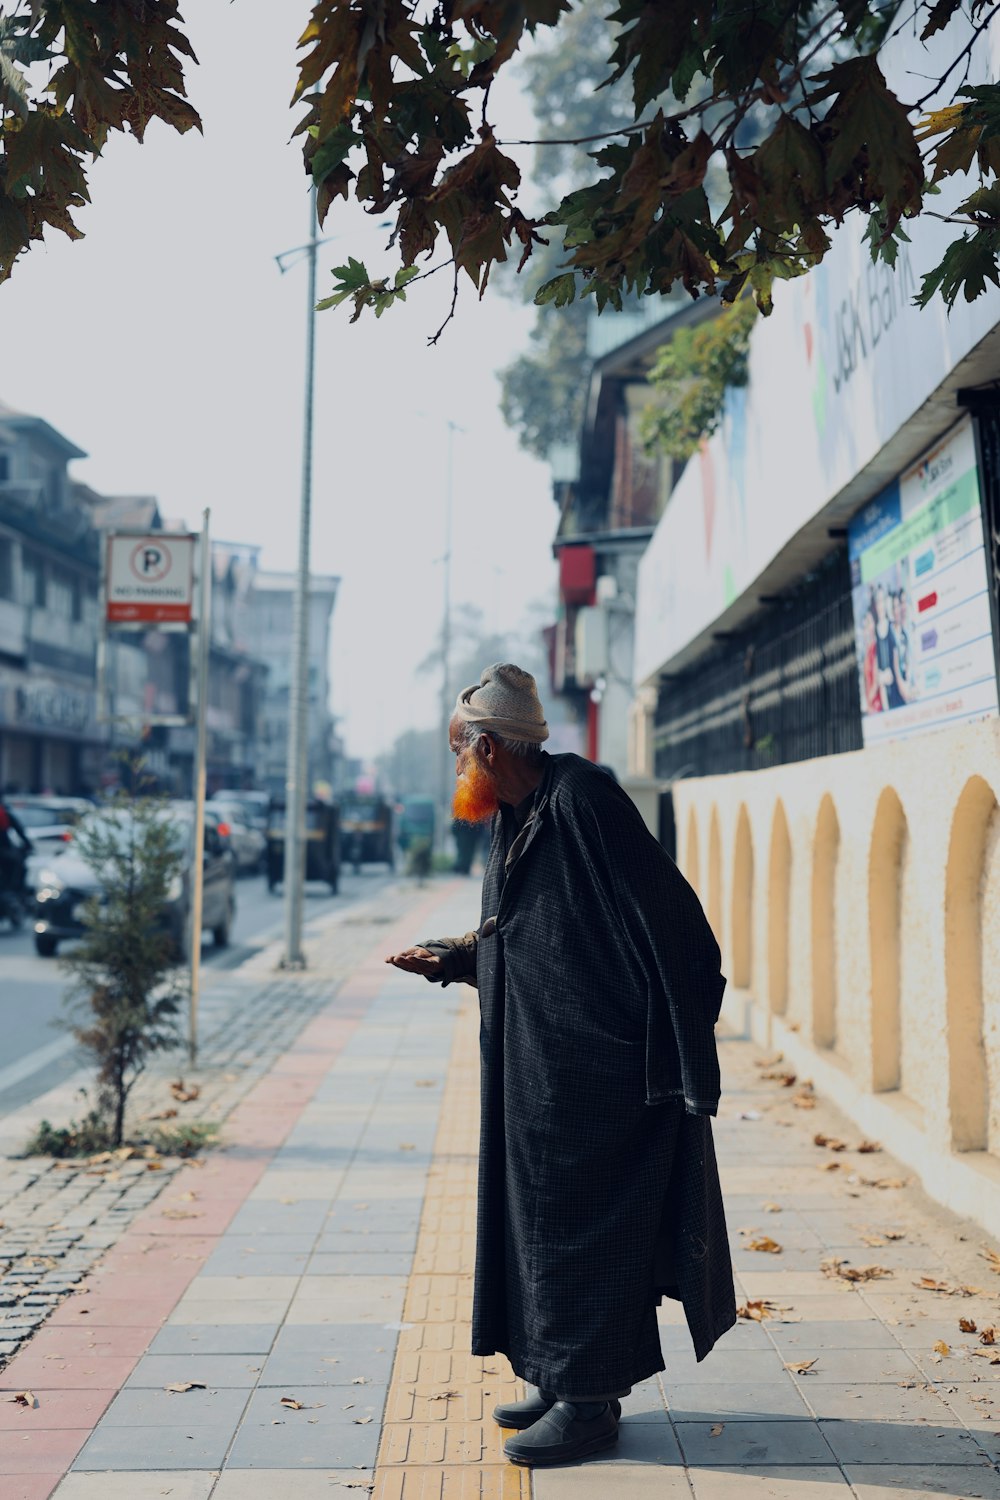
296, 774
198, 838
446, 701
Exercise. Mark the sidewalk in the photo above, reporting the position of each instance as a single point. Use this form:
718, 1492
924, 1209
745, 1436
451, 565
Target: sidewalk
307, 1293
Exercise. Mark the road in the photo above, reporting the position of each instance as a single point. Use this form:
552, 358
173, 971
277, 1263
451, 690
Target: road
36, 1054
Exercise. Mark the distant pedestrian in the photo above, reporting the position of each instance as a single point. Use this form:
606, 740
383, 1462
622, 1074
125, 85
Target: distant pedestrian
599, 987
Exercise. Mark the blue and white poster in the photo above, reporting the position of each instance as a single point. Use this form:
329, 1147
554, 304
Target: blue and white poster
926, 654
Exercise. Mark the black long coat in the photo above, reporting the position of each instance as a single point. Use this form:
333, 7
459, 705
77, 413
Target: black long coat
599, 988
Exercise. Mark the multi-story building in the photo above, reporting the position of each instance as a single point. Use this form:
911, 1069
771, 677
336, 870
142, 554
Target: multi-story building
49, 734
816, 654
269, 626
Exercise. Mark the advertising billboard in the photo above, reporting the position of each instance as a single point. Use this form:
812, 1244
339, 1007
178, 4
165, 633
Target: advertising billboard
923, 626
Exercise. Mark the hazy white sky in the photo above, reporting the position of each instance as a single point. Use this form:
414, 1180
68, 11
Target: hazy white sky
169, 347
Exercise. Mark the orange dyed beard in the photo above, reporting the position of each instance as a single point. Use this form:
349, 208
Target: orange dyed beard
476, 798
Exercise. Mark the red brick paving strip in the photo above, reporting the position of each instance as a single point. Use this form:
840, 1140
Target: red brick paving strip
88, 1348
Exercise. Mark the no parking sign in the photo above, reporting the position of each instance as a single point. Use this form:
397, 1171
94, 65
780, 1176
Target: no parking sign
149, 580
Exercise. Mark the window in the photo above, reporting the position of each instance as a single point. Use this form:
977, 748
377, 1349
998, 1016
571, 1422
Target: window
60, 600
32, 579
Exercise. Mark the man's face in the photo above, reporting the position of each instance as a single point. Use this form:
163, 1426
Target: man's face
475, 799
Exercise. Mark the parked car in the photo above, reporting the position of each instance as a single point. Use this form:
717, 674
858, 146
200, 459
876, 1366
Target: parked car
253, 804
67, 883
49, 823
248, 842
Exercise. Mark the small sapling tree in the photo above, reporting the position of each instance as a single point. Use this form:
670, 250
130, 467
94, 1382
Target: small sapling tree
124, 1002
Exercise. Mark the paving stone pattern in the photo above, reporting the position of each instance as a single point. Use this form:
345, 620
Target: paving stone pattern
57, 1218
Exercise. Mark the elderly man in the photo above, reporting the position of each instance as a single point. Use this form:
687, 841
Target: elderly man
599, 988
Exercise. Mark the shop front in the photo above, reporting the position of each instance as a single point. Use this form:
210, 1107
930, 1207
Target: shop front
50, 740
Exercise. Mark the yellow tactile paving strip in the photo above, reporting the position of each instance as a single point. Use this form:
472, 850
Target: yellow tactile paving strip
439, 1441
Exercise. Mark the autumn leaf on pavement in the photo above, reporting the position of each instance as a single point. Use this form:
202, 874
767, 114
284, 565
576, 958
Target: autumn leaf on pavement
291, 1403
801, 1366
867, 1148
765, 1244
842, 1270
942, 1348
717, 1429
968, 1326
829, 1141
992, 1259
180, 1386
183, 1092
25, 1398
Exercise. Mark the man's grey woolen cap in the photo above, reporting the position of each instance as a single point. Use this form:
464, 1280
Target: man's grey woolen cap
504, 701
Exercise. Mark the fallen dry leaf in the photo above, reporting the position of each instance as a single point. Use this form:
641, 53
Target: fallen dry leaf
778, 1075
772, 1208
180, 1386
801, 1367
765, 1244
992, 1259
179, 1213
894, 1234
988, 1335
929, 1284
443, 1395
868, 1148
830, 1166
841, 1270
993, 1355
831, 1142
25, 1398
361, 1421
183, 1092
968, 1326
756, 1309
767, 1062
360, 1380
717, 1429
291, 1403
942, 1348
873, 1240
154, 1166
884, 1182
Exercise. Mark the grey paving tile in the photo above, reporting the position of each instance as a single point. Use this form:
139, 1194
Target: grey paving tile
303, 1217
915, 1482
239, 1261
636, 1481
752, 1443
645, 1403
145, 1407
214, 1338
765, 1402
299, 1185
361, 1263
212, 1370
727, 1366
322, 1435
861, 1333
297, 1367
139, 1448
855, 1366
351, 1241
335, 1339
676, 1339
900, 1442
888, 1402
266, 1484
234, 1311
771, 1482
638, 1443
135, 1485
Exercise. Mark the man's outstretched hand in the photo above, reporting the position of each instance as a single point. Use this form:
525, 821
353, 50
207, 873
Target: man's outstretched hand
416, 961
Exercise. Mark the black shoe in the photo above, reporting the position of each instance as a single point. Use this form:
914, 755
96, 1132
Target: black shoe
561, 1437
522, 1414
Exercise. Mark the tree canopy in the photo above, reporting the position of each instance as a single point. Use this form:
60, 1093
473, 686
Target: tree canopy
398, 115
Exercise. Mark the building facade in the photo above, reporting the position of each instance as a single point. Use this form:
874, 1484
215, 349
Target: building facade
816, 660
269, 622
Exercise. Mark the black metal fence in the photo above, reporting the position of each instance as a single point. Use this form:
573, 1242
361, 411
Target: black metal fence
784, 689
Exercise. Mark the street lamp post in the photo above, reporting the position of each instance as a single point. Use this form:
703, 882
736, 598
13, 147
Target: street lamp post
444, 789
297, 769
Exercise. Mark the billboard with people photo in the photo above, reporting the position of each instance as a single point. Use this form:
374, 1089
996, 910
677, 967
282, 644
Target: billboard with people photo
922, 618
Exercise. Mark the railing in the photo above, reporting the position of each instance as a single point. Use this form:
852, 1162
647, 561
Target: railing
785, 689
